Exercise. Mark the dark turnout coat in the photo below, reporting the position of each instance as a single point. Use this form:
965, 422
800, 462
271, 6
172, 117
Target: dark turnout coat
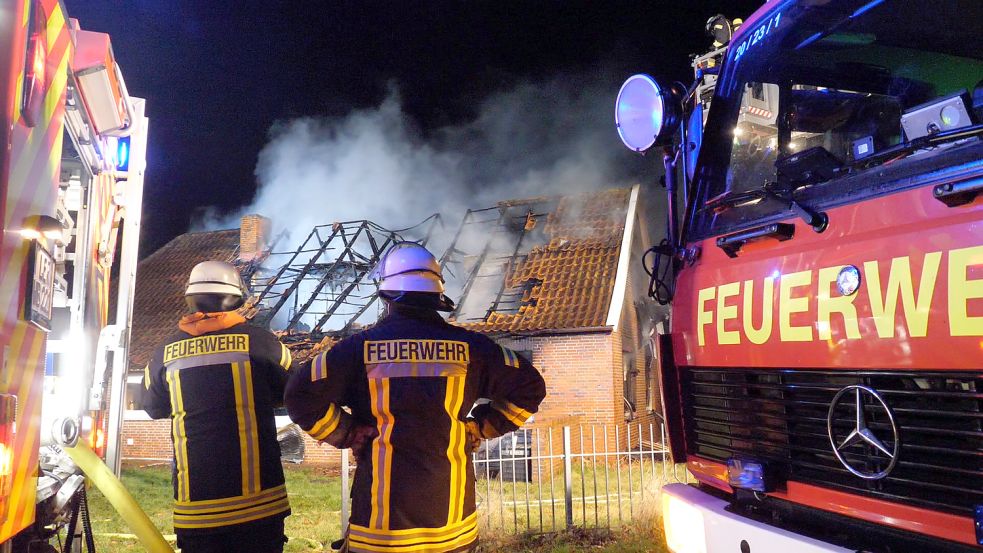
414, 378
220, 388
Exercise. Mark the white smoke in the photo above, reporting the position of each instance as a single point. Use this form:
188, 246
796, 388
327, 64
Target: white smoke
556, 136
370, 164
549, 137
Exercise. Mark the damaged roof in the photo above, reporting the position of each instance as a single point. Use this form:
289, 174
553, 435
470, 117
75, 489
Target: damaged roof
536, 264
161, 280
566, 281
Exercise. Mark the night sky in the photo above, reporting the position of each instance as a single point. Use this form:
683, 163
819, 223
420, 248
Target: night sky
217, 75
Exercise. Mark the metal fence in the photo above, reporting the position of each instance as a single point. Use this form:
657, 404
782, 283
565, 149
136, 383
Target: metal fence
548, 479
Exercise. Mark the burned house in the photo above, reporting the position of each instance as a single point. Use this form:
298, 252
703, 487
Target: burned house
560, 280
557, 279
309, 295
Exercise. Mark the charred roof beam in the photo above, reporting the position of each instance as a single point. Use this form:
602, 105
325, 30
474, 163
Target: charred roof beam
296, 283
299, 314
348, 290
477, 266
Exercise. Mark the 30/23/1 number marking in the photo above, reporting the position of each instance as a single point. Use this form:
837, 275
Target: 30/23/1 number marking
758, 35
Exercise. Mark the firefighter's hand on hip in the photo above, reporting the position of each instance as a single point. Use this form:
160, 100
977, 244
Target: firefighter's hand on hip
358, 437
474, 434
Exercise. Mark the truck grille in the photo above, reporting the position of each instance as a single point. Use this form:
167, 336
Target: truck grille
781, 416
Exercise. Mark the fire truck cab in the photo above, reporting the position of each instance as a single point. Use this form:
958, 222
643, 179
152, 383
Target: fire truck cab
71, 181
823, 375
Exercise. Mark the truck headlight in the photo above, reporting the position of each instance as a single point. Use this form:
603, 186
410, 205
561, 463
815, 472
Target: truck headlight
683, 525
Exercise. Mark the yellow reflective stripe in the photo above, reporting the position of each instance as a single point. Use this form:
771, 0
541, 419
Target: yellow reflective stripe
358, 544
242, 383
382, 453
222, 515
511, 358
253, 434
409, 536
236, 517
179, 434
511, 411
226, 503
241, 423
327, 424
453, 400
319, 367
285, 358
146, 376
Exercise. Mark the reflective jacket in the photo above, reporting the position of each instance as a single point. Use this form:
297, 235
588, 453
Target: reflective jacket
219, 380
415, 378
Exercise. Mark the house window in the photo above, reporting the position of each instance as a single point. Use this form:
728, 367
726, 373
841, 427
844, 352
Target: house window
629, 371
134, 392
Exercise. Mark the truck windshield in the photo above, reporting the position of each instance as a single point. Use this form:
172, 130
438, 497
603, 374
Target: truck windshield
817, 99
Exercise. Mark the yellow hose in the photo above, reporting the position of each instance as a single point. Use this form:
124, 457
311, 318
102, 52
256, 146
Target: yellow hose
119, 498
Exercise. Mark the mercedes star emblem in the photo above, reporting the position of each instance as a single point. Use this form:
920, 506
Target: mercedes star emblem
848, 280
861, 433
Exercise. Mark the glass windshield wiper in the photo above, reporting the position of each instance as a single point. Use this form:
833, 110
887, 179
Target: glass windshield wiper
770, 192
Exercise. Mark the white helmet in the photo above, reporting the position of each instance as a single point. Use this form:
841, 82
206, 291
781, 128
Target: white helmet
409, 267
215, 277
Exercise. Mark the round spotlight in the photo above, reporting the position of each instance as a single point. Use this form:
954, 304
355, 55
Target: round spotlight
646, 113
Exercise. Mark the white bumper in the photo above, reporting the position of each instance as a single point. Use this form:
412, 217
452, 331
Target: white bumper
696, 522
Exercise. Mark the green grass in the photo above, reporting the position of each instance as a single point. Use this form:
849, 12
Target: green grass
315, 499
579, 540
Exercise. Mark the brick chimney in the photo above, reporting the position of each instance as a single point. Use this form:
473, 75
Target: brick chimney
254, 236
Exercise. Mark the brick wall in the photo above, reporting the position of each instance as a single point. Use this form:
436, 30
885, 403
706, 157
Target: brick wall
320, 454
150, 440
147, 440
579, 376
254, 232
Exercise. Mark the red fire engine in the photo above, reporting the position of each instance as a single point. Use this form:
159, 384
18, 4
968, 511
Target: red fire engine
823, 376
71, 180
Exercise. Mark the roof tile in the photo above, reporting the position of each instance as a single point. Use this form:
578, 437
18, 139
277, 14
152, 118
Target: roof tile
576, 268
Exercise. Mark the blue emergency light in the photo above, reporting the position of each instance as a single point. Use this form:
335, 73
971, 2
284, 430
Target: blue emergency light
747, 474
978, 519
123, 153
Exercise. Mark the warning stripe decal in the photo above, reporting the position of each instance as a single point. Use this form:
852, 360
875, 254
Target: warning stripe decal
32, 180
31, 184
25, 355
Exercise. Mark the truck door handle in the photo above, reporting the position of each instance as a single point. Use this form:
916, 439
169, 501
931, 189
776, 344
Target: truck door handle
953, 194
732, 243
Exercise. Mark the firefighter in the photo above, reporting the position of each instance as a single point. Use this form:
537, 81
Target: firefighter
410, 382
219, 380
